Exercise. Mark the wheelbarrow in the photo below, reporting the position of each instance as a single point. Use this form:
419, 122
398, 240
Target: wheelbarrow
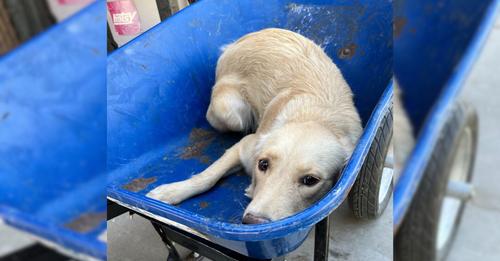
435, 45
53, 136
158, 92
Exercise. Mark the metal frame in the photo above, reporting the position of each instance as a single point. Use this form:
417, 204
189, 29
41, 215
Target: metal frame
173, 255
170, 234
322, 239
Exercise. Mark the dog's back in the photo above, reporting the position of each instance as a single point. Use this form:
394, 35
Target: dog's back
270, 61
261, 65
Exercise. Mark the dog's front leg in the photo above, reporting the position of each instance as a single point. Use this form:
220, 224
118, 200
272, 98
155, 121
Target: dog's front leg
177, 192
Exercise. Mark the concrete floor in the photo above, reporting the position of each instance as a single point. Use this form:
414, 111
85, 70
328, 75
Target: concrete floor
353, 239
133, 238
478, 237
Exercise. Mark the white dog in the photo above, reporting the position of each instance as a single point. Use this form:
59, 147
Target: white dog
284, 86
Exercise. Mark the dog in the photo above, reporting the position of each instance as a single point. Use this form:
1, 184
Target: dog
285, 87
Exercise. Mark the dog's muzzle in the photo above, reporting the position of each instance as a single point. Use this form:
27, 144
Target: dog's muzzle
252, 219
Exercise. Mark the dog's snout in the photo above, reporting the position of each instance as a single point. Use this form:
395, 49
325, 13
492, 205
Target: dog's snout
253, 219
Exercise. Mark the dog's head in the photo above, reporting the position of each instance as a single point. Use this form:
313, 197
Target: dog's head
293, 167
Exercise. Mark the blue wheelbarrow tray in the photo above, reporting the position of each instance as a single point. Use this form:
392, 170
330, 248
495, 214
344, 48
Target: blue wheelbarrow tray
435, 46
159, 89
53, 136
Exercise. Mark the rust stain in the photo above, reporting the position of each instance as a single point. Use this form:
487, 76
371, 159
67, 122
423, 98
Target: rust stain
205, 159
203, 204
195, 150
139, 184
348, 51
399, 24
198, 134
199, 140
86, 222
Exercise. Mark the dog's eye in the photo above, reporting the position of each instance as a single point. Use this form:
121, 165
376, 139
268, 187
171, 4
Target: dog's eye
263, 164
309, 180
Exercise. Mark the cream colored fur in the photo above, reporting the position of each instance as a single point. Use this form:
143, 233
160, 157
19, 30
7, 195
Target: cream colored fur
285, 87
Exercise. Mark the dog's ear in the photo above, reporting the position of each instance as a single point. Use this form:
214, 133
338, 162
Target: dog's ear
346, 155
347, 150
338, 173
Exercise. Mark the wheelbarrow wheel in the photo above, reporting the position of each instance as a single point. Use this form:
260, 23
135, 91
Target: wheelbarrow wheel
372, 190
435, 212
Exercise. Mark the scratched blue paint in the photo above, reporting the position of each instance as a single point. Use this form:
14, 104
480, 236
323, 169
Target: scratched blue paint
158, 92
52, 132
438, 44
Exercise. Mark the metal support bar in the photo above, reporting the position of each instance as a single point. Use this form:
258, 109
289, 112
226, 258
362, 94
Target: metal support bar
173, 255
198, 244
322, 240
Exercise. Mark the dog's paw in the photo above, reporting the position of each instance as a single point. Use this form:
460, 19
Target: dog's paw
169, 193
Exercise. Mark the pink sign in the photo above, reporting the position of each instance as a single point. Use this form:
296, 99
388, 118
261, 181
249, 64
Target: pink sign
125, 17
72, 2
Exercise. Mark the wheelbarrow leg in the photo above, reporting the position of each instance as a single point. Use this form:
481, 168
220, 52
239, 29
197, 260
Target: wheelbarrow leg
173, 255
322, 240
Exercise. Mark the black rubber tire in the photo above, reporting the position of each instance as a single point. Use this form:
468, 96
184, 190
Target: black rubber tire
363, 197
417, 236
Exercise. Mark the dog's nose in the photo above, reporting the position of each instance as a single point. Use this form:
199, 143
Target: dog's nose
252, 219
